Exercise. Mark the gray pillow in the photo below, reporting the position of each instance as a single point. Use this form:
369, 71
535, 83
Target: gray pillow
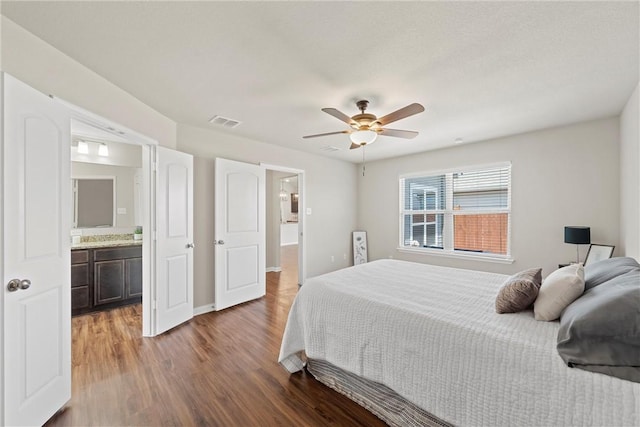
519, 291
600, 331
601, 271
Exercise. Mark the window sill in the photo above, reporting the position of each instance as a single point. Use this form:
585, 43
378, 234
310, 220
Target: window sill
458, 255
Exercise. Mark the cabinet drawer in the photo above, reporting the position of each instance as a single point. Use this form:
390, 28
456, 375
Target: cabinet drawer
79, 275
117, 253
79, 256
80, 297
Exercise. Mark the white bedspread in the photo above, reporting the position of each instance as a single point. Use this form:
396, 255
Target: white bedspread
431, 334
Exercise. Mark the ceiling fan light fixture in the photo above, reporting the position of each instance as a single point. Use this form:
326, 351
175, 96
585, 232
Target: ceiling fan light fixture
365, 127
363, 137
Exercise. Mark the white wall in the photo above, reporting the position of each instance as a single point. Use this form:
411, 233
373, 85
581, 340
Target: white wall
273, 219
330, 192
271, 262
45, 68
630, 178
560, 176
289, 234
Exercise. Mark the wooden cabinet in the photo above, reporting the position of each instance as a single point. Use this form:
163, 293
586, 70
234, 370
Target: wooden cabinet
81, 292
105, 278
133, 277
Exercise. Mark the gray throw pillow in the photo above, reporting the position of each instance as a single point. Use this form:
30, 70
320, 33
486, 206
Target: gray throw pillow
519, 291
600, 331
607, 269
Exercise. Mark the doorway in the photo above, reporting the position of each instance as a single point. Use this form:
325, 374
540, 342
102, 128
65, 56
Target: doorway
37, 210
288, 201
107, 256
164, 187
285, 210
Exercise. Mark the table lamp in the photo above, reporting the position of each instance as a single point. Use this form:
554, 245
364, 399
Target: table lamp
577, 235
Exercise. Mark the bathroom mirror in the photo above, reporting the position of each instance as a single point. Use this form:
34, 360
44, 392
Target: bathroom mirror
289, 203
93, 202
107, 189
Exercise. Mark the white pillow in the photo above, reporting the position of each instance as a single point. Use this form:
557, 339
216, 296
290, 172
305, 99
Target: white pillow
558, 290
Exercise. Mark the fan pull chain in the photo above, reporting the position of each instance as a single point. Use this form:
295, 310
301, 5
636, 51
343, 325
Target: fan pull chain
363, 164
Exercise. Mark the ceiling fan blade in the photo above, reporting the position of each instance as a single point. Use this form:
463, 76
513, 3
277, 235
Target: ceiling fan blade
408, 134
325, 134
354, 146
402, 113
339, 115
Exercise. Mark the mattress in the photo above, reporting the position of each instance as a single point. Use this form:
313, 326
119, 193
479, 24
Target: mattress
432, 336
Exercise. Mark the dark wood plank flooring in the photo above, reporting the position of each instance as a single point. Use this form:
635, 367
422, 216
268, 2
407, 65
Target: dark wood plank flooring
219, 369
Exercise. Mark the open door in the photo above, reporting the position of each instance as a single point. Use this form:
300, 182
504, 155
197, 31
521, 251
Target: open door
36, 304
239, 232
174, 239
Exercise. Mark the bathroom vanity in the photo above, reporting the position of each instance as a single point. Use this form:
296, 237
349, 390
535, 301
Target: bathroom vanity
105, 274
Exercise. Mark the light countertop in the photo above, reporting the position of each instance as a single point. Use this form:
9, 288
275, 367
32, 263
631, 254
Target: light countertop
111, 241
107, 244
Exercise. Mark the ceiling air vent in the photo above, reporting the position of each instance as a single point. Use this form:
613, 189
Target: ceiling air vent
224, 122
329, 148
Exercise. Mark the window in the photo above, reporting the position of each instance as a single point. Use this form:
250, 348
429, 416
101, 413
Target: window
457, 212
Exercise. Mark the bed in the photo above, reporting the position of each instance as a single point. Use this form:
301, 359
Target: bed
429, 337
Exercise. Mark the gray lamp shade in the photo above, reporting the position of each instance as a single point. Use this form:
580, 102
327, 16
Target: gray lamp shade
577, 235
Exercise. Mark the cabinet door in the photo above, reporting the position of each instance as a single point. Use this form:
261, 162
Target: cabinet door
109, 281
133, 277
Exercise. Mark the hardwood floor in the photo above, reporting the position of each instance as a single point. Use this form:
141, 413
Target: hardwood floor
219, 369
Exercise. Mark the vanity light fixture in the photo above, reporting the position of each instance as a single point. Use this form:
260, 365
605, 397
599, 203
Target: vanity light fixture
103, 150
83, 147
283, 194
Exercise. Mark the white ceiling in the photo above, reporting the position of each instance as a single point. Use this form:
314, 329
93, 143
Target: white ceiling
481, 69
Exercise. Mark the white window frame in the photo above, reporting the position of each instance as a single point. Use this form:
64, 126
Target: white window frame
449, 213
425, 212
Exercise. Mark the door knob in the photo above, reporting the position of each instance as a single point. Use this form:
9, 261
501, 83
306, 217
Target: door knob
219, 242
190, 246
16, 284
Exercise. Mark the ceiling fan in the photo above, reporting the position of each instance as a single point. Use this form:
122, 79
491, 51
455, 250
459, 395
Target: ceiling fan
366, 127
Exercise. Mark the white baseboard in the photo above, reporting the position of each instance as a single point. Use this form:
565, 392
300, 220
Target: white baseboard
273, 269
203, 309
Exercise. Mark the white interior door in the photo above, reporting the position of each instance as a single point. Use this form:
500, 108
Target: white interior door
37, 253
174, 239
239, 232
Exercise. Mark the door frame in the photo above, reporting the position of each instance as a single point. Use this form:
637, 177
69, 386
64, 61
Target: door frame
302, 234
2, 142
148, 198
